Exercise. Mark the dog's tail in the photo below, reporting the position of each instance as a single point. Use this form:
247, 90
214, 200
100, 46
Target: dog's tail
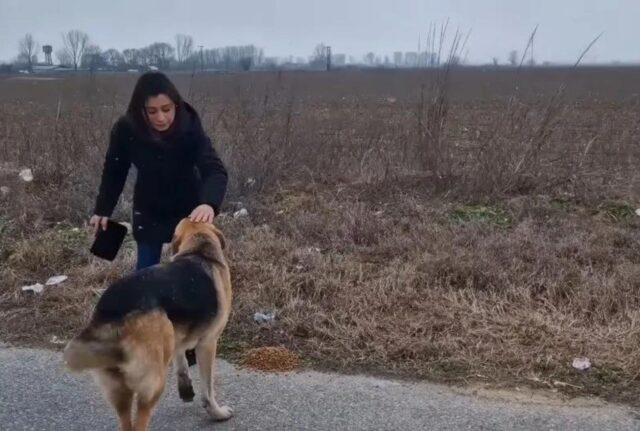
88, 352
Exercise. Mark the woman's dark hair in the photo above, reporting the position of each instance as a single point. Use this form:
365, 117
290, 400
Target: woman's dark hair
151, 84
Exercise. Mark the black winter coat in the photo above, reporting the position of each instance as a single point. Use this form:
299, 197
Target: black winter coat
175, 174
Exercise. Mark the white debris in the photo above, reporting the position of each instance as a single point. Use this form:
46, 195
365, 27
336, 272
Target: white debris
55, 340
251, 182
638, 212
75, 229
264, 318
312, 250
242, 213
581, 364
56, 280
26, 175
4, 191
35, 288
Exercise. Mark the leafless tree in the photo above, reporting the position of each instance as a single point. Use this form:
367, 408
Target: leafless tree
132, 57
161, 54
75, 42
63, 57
113, 58
319, 56
184, 47
92, 57
28, 51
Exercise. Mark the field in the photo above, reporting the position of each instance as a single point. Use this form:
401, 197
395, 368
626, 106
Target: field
469, 226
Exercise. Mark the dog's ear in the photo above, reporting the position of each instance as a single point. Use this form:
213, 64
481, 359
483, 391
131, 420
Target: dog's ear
178, 236
220, 235
175, 244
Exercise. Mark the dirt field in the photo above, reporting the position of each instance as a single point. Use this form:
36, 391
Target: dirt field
473, 227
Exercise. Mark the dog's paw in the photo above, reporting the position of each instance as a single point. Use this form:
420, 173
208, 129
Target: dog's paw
186, 392
219, 413
223, 413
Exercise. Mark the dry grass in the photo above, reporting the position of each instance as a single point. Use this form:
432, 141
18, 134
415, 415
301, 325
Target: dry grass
518, 254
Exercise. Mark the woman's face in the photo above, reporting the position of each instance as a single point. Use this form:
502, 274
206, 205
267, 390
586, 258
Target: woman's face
161, 111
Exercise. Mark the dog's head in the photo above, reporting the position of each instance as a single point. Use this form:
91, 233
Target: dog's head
203, 239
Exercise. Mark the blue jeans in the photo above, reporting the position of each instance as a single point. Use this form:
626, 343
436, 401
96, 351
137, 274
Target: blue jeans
148, 254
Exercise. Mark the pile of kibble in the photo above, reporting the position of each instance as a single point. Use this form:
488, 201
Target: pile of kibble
275, 359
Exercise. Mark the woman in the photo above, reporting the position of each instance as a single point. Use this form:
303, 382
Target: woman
179, 173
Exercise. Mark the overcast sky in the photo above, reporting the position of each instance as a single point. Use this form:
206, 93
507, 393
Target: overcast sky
353, 27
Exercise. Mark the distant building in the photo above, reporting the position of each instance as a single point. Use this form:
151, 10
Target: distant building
398, 58
411, 59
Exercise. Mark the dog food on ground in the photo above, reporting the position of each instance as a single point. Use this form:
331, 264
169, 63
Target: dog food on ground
275, 359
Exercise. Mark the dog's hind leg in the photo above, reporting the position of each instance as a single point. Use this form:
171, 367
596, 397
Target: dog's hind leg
149, 343
206, 354
185, 387
145, 405
118, 395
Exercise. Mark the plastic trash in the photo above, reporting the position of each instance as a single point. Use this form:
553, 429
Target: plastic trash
26, 175
264, 318
56, 280
35, 288
581, 364
55, 340
241, 213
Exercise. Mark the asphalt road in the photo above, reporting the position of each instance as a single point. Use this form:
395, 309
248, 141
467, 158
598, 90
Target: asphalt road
37, 394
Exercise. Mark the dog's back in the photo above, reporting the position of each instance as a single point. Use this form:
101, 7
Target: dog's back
182, 291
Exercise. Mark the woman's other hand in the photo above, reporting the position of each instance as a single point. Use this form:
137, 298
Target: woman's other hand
202, 214
97, 222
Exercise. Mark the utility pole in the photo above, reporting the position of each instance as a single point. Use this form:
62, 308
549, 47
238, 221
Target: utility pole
328, 58
201, 58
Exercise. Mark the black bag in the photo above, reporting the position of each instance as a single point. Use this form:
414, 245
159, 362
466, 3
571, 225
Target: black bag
108, 242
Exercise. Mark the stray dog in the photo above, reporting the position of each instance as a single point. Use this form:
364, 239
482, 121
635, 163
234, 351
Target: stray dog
152, 316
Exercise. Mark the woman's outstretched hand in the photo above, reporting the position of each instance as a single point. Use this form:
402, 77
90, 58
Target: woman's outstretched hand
202, 214
97, 222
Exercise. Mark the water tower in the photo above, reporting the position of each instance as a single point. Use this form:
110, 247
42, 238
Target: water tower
47, 49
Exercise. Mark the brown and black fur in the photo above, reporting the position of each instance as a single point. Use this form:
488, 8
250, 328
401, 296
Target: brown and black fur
148, 318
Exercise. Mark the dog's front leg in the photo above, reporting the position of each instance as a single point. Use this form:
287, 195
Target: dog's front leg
185, 387
206, 354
